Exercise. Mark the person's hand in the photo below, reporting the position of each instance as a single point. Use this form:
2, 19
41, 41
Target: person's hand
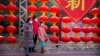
30, 30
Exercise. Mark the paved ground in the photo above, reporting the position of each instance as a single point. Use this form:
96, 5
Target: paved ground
52, 50
75, 52
61, 51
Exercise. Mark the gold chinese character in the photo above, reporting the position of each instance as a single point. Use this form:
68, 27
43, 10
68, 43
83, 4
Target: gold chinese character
75, 4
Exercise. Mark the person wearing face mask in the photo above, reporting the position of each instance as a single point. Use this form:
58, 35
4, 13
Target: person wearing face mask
35, 30
28, 36
42, 35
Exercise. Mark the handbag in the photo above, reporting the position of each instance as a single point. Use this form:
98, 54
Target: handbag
46, 39
20, 44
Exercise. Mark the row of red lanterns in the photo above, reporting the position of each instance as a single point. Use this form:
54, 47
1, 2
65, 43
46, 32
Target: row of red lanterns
65, 39
11, 8
85, 20
78, 29
1, 19
43, 9
95, 13
43, 18
68, 19
32, 8
75, 29
9, 39
83, 39
54, 20
11, 29
9, 18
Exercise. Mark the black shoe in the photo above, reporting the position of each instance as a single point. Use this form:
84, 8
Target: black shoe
42, 50
57, 46
30, 51
27, 55
34, 51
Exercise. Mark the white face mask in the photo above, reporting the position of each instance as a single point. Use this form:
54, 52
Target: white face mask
42, 24
30, 22
36, 19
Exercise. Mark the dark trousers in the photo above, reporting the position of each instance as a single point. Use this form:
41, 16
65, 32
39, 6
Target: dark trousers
26, 51
35, 40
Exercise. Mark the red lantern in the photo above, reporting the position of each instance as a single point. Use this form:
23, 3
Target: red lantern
99, 39
54, 28
95, 20
54, 19
1, 18
1, 39
43, 18
66, 19
12, 18
85, 39
32, 0
11, 29
86, 20
95, 30
95, 11
95, 39
54, 9
31, 8
99, 20
11, 39
76, 39
66, 29
54, 39
86, 29
76, 29
1, 29
65, 39
43, 8
44, 1
2, 7
12, 0
11, 7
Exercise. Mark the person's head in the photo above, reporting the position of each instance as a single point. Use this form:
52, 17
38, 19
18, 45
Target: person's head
41, 23
29, 20
34, 17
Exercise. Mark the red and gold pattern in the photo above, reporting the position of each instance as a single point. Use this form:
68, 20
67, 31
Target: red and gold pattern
76, 9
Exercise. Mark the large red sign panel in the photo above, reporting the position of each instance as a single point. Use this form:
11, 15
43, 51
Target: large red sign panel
76, 9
